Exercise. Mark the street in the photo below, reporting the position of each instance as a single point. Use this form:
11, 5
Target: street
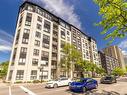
119, 88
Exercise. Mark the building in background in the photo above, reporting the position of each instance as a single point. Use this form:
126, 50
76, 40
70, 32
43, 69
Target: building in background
115, 52
39, 39
108, 62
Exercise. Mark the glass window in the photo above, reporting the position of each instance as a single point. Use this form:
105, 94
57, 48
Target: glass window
63, 33
45, 56
38, 34
35, 62
28, 19
39, 19
17, 37
39, 26
46, 40
25, 38
36, 52
20, 74
20, 21
22, 57
37, 43
47, 26
33, 75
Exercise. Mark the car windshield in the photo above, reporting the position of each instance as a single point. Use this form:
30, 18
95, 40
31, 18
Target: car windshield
108, 78
81, 80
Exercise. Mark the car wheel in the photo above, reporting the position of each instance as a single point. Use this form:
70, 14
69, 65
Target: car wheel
84, 89
69, 83
55, 85
96, 86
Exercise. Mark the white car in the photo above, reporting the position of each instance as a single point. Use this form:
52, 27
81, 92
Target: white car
58, 82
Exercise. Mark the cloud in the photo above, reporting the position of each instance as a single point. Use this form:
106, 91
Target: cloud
124, 52
62, 9
123, 46
6, 41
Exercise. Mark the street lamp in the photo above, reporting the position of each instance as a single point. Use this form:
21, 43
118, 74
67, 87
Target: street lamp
41, 70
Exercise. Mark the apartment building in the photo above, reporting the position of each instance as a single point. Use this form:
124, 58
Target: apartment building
39, 39
108, 62
116, 52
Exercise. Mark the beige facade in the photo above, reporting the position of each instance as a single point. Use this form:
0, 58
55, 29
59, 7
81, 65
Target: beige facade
38, 42
115, 52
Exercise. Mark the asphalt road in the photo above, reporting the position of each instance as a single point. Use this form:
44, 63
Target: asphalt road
119, 88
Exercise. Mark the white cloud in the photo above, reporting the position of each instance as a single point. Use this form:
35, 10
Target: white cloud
61, 9
124, 52
6, 40
123, 46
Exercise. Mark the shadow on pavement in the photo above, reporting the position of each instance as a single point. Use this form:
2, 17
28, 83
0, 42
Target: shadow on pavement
95, 92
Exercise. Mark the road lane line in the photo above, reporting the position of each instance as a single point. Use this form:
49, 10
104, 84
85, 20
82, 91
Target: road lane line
9, 90
27, 90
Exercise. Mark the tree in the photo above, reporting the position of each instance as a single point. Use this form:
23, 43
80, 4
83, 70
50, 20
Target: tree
70, 58
118, 71
100, 70
4, 68
114, 18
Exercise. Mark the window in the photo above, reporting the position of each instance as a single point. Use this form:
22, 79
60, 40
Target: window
63, 33
30, 8
25, 38
62, 44
36, 52
37, 43
47, 26
33, 75
46, 40
28, 19
44, 75
17, 37
45, 56
39, 26
68, 38
39, 19
38, 34
20, 74
22, 57
35, 62
20, 21
14, 56
68, 33
23, 50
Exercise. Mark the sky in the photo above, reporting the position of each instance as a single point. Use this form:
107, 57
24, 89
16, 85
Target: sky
81, 13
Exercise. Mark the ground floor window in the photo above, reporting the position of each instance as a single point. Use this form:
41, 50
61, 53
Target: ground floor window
33, 75
20, 74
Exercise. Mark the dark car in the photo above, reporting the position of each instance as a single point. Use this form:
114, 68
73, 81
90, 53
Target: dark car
108, 80
83, 85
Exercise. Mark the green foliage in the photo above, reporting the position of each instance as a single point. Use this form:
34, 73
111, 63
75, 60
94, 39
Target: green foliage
118, 71
36, 81
114, 18
71, 57
89, 66
4, 68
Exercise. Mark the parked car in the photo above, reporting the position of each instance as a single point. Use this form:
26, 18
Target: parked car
58, 82
83, 85
108, 80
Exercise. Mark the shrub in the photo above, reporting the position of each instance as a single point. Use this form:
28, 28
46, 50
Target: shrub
36, 81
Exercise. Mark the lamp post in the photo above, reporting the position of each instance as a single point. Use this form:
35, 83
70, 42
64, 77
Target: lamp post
41, 70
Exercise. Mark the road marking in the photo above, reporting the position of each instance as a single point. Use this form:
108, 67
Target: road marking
27, 90
9, 90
